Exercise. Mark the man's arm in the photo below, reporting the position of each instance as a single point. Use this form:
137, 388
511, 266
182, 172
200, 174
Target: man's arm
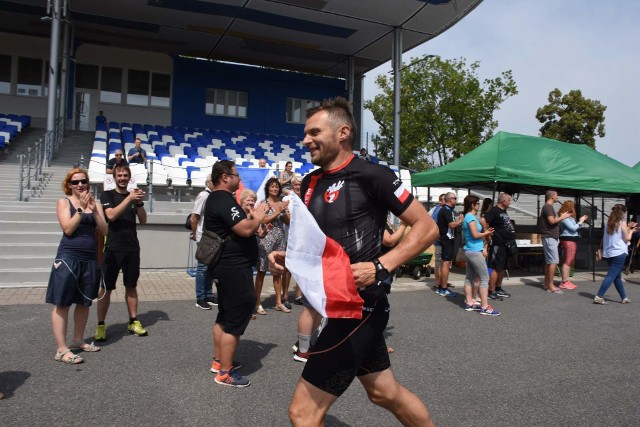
195, 219
248, 226
142, 213
422, 234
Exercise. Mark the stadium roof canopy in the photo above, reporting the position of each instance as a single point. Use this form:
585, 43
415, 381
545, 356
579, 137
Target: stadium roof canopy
315, 36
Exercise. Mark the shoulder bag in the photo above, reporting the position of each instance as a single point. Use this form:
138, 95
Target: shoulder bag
209, 248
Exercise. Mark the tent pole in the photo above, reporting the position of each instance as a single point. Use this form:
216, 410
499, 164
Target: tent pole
591, 251
428, 199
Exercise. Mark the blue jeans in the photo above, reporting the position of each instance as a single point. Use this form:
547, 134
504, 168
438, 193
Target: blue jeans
616, 265
204, 282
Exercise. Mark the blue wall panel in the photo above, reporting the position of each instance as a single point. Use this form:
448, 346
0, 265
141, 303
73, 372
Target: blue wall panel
267, 90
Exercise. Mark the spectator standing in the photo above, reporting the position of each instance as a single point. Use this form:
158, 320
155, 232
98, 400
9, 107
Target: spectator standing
503, 233
475, 252
286, 177
286, 278
101, 119
437, 247
205, 298
549, 224
117, 159
137, 154
364, 155
446, 226
487, 204
277, 216
75, 274
262, 163
122, 252
233, 273
349, 192
614, 251
569, 242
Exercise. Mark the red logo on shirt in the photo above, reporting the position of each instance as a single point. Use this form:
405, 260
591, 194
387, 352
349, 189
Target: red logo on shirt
332, 193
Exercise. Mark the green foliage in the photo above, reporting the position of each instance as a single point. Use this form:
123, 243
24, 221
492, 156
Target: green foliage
446, 111
572, 118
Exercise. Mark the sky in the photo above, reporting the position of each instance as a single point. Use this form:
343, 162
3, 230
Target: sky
590, 45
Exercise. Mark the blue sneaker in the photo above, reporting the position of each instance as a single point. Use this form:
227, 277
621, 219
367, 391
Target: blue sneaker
232, 378
489, 311
447, 293
474, 306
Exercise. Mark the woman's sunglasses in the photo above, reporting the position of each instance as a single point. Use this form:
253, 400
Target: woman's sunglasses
79, 181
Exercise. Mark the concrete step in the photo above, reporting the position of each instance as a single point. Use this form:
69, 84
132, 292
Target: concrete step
26, 262
29, 249
30, 236
31, 226
28, 216
22, 276
9, 285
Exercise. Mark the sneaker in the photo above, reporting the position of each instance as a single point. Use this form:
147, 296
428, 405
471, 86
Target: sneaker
474, 306
436, 289
136, 328
203, 304
295, 347
598, 300
298, 301
212, 300
233, 379
626, 300
301, 357
215, 366
501, 293
286, 304
101, 333
489, 311
567, 285
494, 295
447, 293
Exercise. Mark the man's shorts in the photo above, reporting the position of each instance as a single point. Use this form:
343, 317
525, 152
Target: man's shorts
236, 299
338, 358
447, 249
498, 258
129, 262
550, 249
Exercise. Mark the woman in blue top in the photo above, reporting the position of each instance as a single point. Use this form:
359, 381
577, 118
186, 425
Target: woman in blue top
475, 252
75, 275
569, 241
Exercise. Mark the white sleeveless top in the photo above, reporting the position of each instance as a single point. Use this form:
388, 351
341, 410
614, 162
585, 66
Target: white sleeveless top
613, 245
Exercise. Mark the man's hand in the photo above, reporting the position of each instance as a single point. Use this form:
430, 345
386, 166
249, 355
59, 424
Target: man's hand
260, 211
276, 262
136, 194
364, 273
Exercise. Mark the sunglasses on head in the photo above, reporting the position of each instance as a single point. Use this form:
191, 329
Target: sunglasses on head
79, 181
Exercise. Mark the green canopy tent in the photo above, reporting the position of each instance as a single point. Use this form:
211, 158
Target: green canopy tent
529, 164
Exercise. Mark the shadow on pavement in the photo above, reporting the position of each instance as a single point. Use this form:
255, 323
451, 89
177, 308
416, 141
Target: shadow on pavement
10, 381
251, 353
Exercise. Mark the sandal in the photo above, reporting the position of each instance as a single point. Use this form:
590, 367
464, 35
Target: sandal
282, 308
555, 291
79, 345
260, 310
73, 360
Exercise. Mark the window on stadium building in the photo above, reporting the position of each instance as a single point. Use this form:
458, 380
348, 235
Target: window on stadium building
229, 103
87, 76
5, 74
30, 77
138, 87
297, 109
160, 90
111, 85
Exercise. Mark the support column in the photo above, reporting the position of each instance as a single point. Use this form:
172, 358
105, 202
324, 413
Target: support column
64, 73
53, 65
397, 64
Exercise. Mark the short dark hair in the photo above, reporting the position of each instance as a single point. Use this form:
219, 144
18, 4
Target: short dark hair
268, 184
469, 201
221, 167
339, 110
120, 166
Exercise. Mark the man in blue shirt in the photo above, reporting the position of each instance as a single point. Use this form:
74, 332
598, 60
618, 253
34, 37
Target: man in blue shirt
137, 154
438, 252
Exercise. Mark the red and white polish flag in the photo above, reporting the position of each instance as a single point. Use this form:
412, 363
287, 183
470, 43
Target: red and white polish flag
320, 266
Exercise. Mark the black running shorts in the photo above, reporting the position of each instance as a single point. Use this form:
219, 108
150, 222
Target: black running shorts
447, 249
498, 258
236, 299
334, 364
129, 262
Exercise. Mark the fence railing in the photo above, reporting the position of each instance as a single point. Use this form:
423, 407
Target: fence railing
31, 176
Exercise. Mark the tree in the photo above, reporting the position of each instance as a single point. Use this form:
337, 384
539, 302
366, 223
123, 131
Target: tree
446, 111
572, 118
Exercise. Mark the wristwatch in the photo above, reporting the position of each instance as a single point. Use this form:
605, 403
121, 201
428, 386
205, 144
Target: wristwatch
80, 210
381, 272
139, 205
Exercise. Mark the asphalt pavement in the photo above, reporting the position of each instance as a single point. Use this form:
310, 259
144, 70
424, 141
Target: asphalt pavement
547, 360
